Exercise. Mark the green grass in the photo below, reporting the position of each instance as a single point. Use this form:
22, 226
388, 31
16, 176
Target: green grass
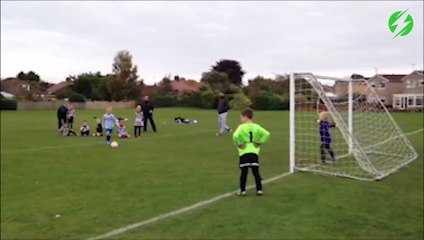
96, 189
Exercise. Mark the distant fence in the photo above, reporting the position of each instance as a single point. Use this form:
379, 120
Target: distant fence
53, 105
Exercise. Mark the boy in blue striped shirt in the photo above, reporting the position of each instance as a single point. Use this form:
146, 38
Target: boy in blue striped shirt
108, 122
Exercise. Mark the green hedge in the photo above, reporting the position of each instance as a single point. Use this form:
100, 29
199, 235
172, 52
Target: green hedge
8, 104
76, 97
164, 101
190, 100
207, 99
270, 101
240, 102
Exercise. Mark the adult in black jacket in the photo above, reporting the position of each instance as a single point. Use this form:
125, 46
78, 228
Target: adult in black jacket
148, 108
223, 107
61, 115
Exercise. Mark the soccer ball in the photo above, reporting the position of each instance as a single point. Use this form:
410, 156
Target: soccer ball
114, 144
194, 121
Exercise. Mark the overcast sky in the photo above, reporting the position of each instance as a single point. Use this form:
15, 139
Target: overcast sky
56, 39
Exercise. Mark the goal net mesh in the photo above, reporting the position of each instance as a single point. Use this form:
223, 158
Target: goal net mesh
369, 146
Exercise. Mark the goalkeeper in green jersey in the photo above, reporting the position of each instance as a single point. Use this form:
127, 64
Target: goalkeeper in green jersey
248, 137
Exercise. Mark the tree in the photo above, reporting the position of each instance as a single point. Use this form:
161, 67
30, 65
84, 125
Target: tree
83, 85
95, 86
356, 76
216, 80
232, 68
240, 102
104, 91
21, 75
30, 76
165, 86
125, 84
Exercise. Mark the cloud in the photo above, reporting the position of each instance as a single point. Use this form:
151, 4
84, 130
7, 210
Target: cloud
59, 38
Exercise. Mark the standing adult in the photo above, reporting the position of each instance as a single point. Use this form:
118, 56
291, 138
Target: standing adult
62, 112
223, 107
148, 108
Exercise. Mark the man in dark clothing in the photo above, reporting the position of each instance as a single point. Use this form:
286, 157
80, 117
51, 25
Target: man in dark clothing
223, 107
147, 108
61, 115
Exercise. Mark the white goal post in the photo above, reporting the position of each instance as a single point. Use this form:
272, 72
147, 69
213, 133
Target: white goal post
365, 141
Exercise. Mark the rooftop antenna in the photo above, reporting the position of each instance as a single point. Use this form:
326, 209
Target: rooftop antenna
376, 70
413, 66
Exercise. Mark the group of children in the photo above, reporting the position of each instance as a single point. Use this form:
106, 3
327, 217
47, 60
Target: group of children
107, 123
248, 138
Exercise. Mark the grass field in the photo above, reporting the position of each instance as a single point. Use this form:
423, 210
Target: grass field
96, 189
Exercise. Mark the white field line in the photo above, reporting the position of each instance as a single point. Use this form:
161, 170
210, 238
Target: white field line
99, 143
181, 210
191, 207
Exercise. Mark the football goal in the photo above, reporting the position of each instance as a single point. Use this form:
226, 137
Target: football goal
341, 127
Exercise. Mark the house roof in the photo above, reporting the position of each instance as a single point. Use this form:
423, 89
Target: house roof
13, 79
55, 88
6, 94
390, 77
149, 90
420, 72
184, 85
327, 88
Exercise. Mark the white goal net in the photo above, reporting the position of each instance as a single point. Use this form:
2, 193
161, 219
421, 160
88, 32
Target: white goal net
359, 138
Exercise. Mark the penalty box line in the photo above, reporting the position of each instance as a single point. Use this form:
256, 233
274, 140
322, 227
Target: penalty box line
192, 207
181, 210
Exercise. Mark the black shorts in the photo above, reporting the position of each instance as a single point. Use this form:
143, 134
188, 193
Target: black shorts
71, 120
249, 160
325, 145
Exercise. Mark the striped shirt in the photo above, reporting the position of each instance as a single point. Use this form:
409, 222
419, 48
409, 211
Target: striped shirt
138, 119
109, 120
70, 113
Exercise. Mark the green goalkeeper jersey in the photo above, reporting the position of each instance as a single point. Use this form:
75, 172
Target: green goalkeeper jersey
248, 134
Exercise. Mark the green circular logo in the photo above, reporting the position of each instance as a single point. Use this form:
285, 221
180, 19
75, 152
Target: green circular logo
400, 28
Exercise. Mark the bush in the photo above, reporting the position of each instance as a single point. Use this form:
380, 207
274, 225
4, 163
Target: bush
190, 100
300, 98
240, 102
77, 97
8, 104
164, 101
269, 101
208, 99
66, 93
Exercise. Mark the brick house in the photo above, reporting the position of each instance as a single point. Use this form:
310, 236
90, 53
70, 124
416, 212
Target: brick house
385, 85
341, 88
18, 88
412, 96
149, 90
24, 89
52, 91
179, 87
